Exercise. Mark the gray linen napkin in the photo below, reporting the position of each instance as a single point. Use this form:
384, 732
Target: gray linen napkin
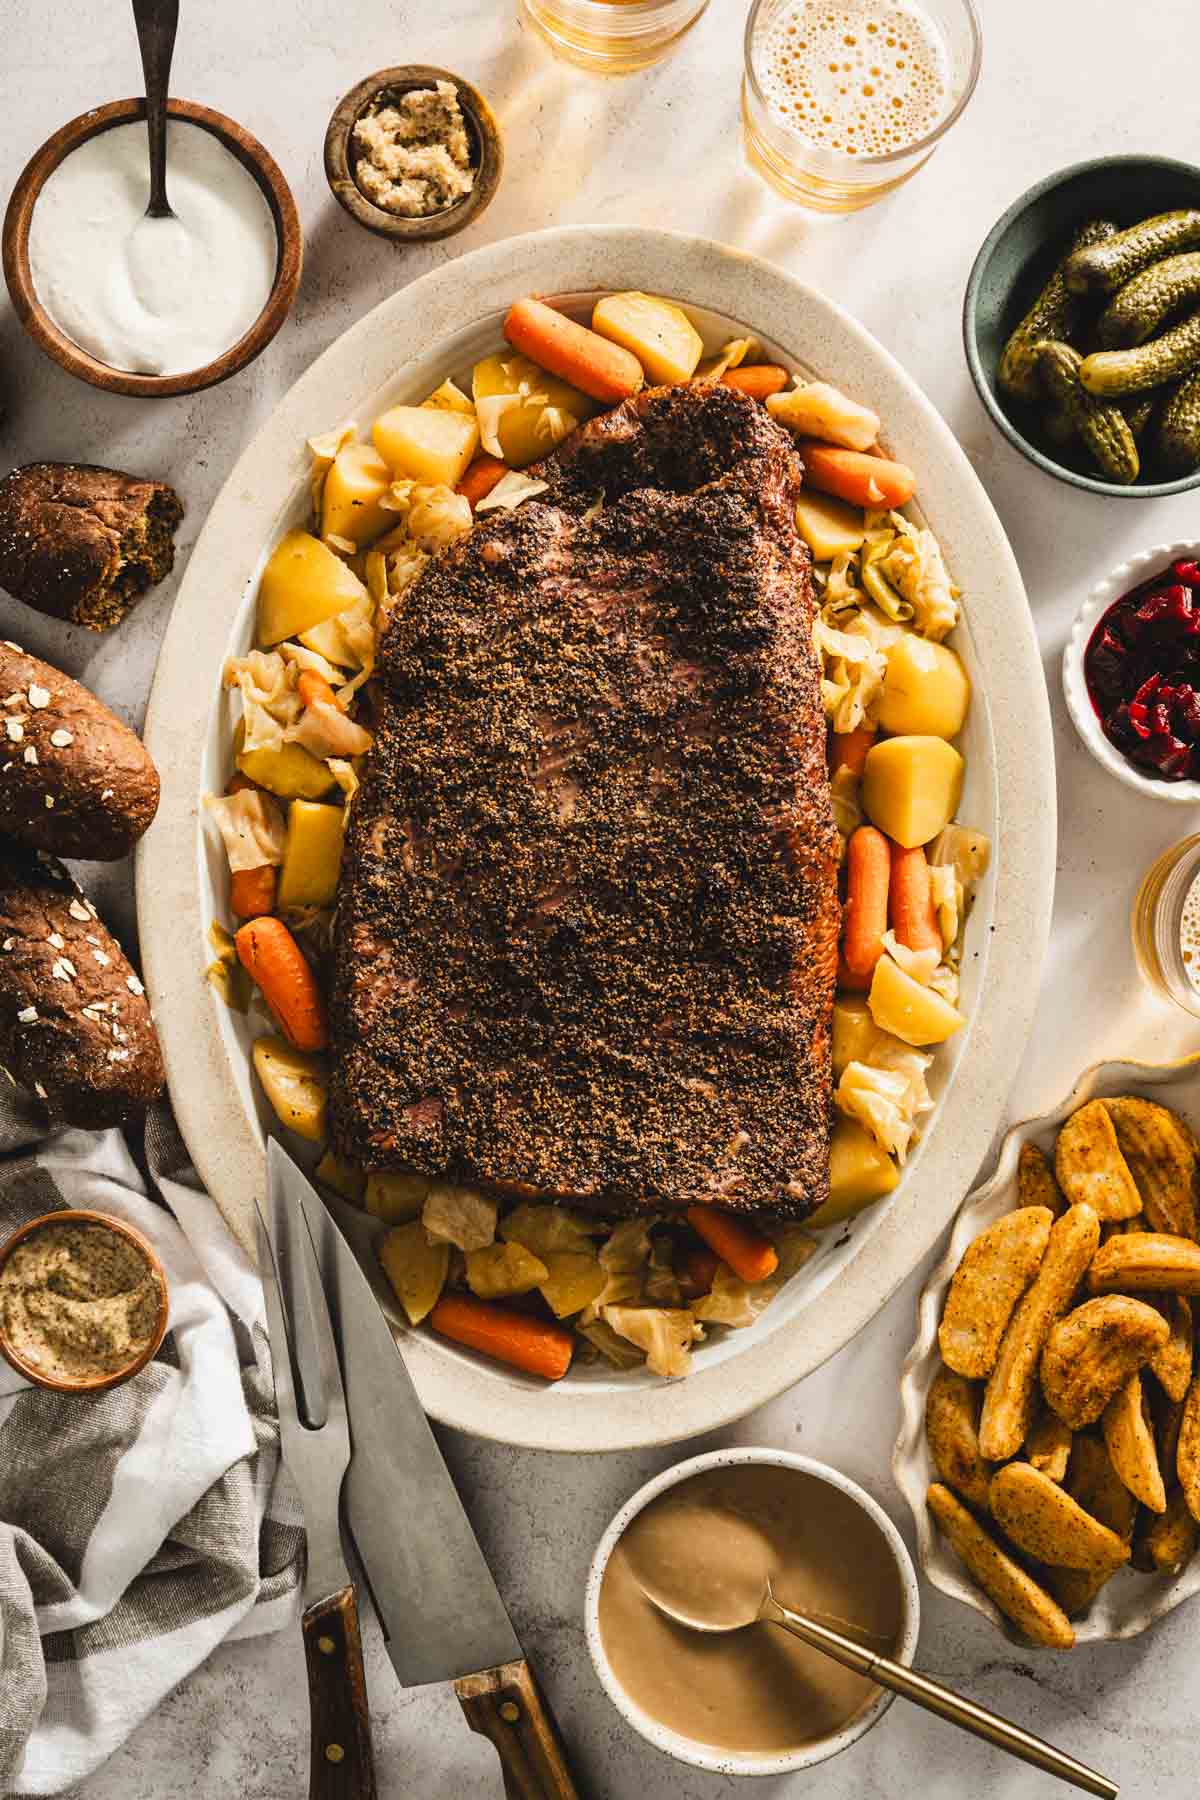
141, 1527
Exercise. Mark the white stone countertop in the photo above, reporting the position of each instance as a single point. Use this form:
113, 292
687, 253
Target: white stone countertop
1061, 81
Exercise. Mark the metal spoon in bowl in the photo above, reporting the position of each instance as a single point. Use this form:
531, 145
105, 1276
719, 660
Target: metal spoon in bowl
160, 249
920, 1688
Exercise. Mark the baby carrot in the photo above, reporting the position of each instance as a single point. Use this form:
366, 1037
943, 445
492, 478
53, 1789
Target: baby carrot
252, 892
748, 1253
759, 380
511, 1337
481, 477
865, 914
850, 983
848, 749
275, 963
854, 475
576, 354
313, 688
697, 1270
910, 900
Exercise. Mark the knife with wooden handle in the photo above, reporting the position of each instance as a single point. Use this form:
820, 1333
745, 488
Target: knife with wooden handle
441, 1613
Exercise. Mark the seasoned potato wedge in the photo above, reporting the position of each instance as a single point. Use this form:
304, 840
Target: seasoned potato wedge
1187, 1451
1008, 1404
1169, 1540
854, 1031
1172, 1365
1090, 1167
296, 1084
1048, 1446
312, 855
1161, 1152
416, 1268
995, 1270
1095, 1485
1036, 1185
302, 584
1044, 1520
396, 1197
660, 334
952, 1429
1146, 1262
342, 1177
1017, 1594
1131, 1448
859, 1172
430, 444
356, 482
1092, 1352
288, 770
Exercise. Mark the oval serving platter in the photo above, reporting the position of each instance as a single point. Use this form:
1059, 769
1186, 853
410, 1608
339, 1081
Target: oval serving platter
399, 353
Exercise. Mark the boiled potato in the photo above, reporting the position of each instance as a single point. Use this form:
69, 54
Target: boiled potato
573, 1280
911, 787
303, 583
534, 426
500, 1270
854, 1031
925, 689
859, 1172
290, 771
295, 1084
829, 527
450, 398
350, 499
426, 443
396, 1197
312, 854
909, 1011
416, 1268
660, 335
342, 1177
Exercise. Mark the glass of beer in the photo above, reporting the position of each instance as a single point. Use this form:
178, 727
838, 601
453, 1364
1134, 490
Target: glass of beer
612, 37
842, 100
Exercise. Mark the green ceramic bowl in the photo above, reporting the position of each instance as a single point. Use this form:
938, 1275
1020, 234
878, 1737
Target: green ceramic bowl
1018, 256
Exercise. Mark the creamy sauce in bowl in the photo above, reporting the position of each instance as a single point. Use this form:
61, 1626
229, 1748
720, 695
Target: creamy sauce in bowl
79, 1300
706, 1549
152, 296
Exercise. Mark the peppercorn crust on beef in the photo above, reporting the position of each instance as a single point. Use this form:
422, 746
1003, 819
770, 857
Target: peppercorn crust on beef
588, 917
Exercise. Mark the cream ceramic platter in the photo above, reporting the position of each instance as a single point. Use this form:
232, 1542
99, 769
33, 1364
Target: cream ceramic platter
399, 352
1130, 1601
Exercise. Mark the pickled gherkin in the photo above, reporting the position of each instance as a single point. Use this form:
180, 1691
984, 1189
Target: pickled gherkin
1176, 352
1137, 310
1104, 267
1101, 427
1177, 433
1054, 314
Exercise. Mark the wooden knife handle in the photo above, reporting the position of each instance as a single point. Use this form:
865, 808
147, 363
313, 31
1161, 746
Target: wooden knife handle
342, 1767
504, 1705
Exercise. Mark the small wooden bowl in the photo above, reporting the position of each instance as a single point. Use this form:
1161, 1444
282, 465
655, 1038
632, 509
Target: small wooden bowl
94, 1384
64, 350
341, 154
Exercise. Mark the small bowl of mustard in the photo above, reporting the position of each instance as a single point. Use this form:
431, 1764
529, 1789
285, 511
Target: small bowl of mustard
83, 1301
414, 153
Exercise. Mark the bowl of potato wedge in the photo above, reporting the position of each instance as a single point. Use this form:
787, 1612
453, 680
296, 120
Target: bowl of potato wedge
1050, 1438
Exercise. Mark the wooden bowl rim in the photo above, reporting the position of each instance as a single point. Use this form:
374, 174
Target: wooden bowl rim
93, 1384
346, 191
64, 350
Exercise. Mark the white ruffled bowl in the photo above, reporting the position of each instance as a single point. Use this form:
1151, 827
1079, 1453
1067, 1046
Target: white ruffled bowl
1130, 1601
1083, 714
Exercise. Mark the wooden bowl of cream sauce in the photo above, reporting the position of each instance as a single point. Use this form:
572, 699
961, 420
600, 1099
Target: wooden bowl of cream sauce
703, 1537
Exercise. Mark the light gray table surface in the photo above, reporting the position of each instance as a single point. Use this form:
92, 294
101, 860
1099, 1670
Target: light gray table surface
1062, 81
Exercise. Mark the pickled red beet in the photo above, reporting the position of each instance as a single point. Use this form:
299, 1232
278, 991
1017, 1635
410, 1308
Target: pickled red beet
1143, 673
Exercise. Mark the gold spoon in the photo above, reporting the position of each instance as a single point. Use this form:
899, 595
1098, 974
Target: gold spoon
901, 1680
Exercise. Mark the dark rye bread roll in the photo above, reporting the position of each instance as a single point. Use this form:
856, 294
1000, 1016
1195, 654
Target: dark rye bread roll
75, 1026
74, 779
82, 543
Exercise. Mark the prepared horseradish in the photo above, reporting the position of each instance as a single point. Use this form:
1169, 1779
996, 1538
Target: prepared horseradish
415, 157
705, 1550
79, 1300
153, 296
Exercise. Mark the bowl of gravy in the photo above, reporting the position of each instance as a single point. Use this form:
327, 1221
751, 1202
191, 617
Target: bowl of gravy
699, 1543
